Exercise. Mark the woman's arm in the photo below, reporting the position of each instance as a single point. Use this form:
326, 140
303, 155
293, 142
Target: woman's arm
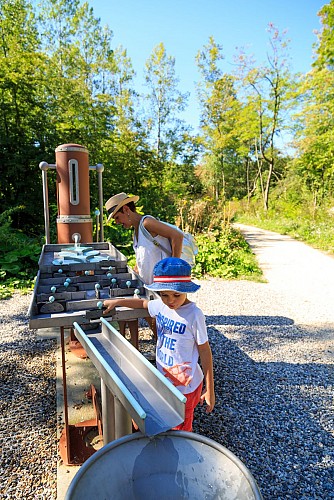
134, 303
175, 236
207, 366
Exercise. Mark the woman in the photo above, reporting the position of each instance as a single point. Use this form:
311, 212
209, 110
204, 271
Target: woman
161, 241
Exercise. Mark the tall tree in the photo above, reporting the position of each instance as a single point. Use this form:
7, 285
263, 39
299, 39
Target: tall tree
168, 134
164, 99
126, 150
73, 39
267, 94
315, 140
22, 108
219, 109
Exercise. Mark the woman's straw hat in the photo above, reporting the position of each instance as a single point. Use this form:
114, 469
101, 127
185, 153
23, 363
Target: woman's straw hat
118, 201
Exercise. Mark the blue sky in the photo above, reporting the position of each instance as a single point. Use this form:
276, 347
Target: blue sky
184, 26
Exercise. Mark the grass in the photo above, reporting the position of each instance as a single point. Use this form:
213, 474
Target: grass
12, 285
318, 233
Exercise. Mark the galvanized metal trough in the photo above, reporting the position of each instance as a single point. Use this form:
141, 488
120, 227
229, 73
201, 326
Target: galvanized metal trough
174, 465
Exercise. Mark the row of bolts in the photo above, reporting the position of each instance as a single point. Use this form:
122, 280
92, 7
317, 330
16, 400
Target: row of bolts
97, 286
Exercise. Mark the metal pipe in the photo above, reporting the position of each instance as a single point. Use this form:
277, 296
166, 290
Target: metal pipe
99, 170
44, 166
123, 422
73, 193
63, 366
108, 414
97, 213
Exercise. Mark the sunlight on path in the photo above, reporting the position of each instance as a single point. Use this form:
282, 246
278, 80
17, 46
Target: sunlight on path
302, 275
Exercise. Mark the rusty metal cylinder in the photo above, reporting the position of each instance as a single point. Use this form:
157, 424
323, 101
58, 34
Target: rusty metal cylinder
73, 199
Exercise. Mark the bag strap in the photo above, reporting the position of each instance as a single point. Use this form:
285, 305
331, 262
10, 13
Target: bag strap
148, 235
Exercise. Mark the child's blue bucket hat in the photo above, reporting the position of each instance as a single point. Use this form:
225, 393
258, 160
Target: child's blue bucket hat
172, 274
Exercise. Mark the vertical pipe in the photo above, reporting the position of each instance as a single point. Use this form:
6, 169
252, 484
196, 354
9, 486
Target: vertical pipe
44, 167
97, 213
123, 422
99, 170
108, 414
63, 363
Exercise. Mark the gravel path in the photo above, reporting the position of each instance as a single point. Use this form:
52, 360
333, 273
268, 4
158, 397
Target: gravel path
273, 346
273, 359
28, 424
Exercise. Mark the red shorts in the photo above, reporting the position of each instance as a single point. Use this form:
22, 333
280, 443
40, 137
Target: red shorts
191, 403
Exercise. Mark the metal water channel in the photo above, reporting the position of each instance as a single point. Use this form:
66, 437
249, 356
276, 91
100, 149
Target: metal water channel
131, 387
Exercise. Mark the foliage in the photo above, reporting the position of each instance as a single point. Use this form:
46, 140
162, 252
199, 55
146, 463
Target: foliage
12, 285
22, 115
267, 94
164, 99
19, 255
295, 216
242, 117
119, 237
315, 120
62, 80
219, 134
224, 253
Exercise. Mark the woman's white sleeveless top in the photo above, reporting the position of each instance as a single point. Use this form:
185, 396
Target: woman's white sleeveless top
148, 254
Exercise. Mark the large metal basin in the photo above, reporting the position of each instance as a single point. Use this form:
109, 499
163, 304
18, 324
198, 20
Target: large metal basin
172, 465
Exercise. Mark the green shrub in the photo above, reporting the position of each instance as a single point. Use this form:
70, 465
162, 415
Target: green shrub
19, 255
221, 253
224, 253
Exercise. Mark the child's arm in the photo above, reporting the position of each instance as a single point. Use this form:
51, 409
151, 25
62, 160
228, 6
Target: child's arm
207, 366
132, 303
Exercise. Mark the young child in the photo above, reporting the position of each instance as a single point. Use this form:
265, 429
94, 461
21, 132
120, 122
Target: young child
182, 334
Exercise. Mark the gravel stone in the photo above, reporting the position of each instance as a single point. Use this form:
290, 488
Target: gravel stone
28, 426
273, 355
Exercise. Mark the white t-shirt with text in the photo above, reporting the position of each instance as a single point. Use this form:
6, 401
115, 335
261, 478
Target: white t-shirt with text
179, 332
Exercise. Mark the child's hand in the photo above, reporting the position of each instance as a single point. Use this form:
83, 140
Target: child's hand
109, 305
210, 400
